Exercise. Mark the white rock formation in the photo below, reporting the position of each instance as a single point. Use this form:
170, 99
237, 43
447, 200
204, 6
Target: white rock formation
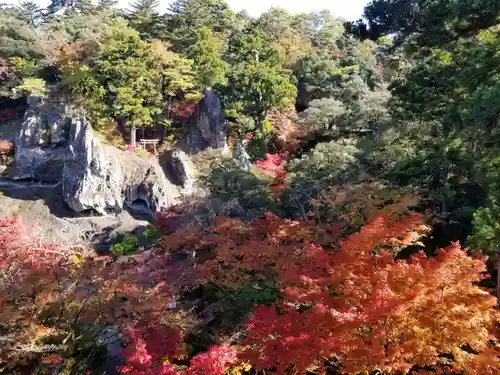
58, 147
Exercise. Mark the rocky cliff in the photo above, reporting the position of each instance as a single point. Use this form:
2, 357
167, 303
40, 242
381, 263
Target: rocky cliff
56, 144
209, 127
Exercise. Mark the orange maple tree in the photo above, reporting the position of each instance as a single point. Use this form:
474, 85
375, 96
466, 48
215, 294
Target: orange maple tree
343, 302
365, 310
348, 301
286, 136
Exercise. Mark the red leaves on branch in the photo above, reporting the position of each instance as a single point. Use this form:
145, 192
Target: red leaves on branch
214, 362
249, 137
26, 285
273, 165
184, 108
287, 136
147, 353
343, 300
133, 296
19, 250
149, 350
8, 113
37, 280
370, 312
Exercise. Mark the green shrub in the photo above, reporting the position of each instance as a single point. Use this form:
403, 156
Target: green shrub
237, 303
209, 159
257, 148
126, 244
229, 183
329, 163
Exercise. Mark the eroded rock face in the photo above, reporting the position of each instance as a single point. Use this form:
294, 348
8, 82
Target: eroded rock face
104, 178
210, 128
60, 146
179, 168
39, 154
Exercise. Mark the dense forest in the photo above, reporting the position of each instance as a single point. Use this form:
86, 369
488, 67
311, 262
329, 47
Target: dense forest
361, 238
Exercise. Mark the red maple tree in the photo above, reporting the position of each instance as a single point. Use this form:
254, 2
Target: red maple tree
367, 311
47, 293
344, 302
273, 166
184, 108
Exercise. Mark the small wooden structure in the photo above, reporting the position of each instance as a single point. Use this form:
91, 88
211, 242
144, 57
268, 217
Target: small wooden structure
145, 143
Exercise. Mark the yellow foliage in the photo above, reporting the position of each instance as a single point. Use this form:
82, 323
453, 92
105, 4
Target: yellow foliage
240, 369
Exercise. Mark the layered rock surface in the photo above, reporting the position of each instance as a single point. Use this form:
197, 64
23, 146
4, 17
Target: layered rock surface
209, 127
179, 168
56, 144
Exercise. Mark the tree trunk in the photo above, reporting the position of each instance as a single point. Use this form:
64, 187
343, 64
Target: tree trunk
163, 134
121, 126
260, 119
168, 115
133, 132
261, 116
498, 278
259, 124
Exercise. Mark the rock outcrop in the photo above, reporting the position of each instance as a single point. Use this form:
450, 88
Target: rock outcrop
179, 168
42, 205
209, 128
57, 144
241, 156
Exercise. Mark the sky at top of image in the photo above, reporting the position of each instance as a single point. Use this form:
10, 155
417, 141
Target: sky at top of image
348, 9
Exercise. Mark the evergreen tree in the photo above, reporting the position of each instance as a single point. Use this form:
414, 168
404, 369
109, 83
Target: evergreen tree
27, 11
177, 79
144, 6
206, 54
280, 29
188, 16
243, 14
144, 17
433, 23
120, 81
257, 80
81, 6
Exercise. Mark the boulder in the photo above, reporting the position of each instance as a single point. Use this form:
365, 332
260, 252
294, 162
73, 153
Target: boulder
58, 145
179, 168
209, 128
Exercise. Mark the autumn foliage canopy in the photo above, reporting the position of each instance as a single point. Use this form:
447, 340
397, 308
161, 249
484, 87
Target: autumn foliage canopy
343, 304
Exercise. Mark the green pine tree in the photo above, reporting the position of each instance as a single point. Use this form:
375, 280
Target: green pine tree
120, 81
189, 16
143, 16
206, 54
257, 80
